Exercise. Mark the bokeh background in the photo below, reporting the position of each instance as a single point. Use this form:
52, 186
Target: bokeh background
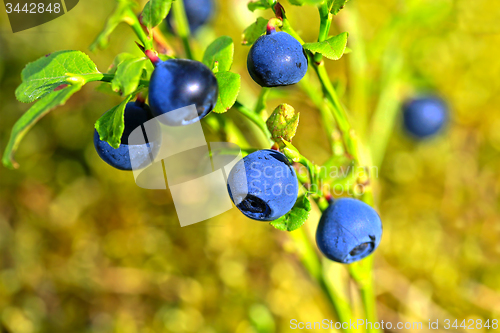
82, 249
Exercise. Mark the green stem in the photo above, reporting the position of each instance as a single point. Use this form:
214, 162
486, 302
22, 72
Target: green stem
358, 68
385, 114
328, 121
324, 27
360, 156
293, 154
182, 26
383, 122
331, 94
370, 307
305, 83
106, 77
338, 111
311, 262
255, 118
100, 77
362, 273
354, 148
132, 20
319, 67
260, 107
287, 27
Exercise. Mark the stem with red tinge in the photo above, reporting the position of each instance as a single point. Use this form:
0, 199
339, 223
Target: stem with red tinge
153, 57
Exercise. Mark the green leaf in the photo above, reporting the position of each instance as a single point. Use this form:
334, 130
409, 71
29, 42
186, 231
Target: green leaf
229, 87
254, 31
296, 217
35, 113
120, 58
260, 4
332, 48
221, 51
336, 5
283, 123
47, 73
121, 13
154, 12
128, 75
111, 124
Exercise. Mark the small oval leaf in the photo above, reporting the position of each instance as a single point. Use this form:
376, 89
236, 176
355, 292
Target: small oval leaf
42, 76
229, 87
120, 14
296, 217
35, 113
111, 124
128, 75
154, 12
221, 51
332, 48
254, 31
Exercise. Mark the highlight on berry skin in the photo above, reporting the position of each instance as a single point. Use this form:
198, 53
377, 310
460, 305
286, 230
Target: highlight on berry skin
178, 83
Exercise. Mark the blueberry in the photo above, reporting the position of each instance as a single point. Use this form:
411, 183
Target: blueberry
198, 12
276, 59
178, 83
348, 231
263, 185
425, 116
127, 154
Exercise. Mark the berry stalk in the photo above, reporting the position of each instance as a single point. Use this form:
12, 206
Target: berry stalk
255, 118
328, 121
153, 57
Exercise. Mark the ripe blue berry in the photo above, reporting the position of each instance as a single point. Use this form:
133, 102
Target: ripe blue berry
198, 12
178, 83
348, 231
425, 116
276, 59
128, 155
263, 185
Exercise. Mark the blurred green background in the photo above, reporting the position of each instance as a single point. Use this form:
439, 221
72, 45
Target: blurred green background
83, 249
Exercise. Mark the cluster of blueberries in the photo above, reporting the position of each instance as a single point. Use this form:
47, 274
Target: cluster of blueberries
263, 185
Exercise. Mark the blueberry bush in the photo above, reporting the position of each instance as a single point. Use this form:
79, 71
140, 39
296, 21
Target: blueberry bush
166, 75
155, 83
